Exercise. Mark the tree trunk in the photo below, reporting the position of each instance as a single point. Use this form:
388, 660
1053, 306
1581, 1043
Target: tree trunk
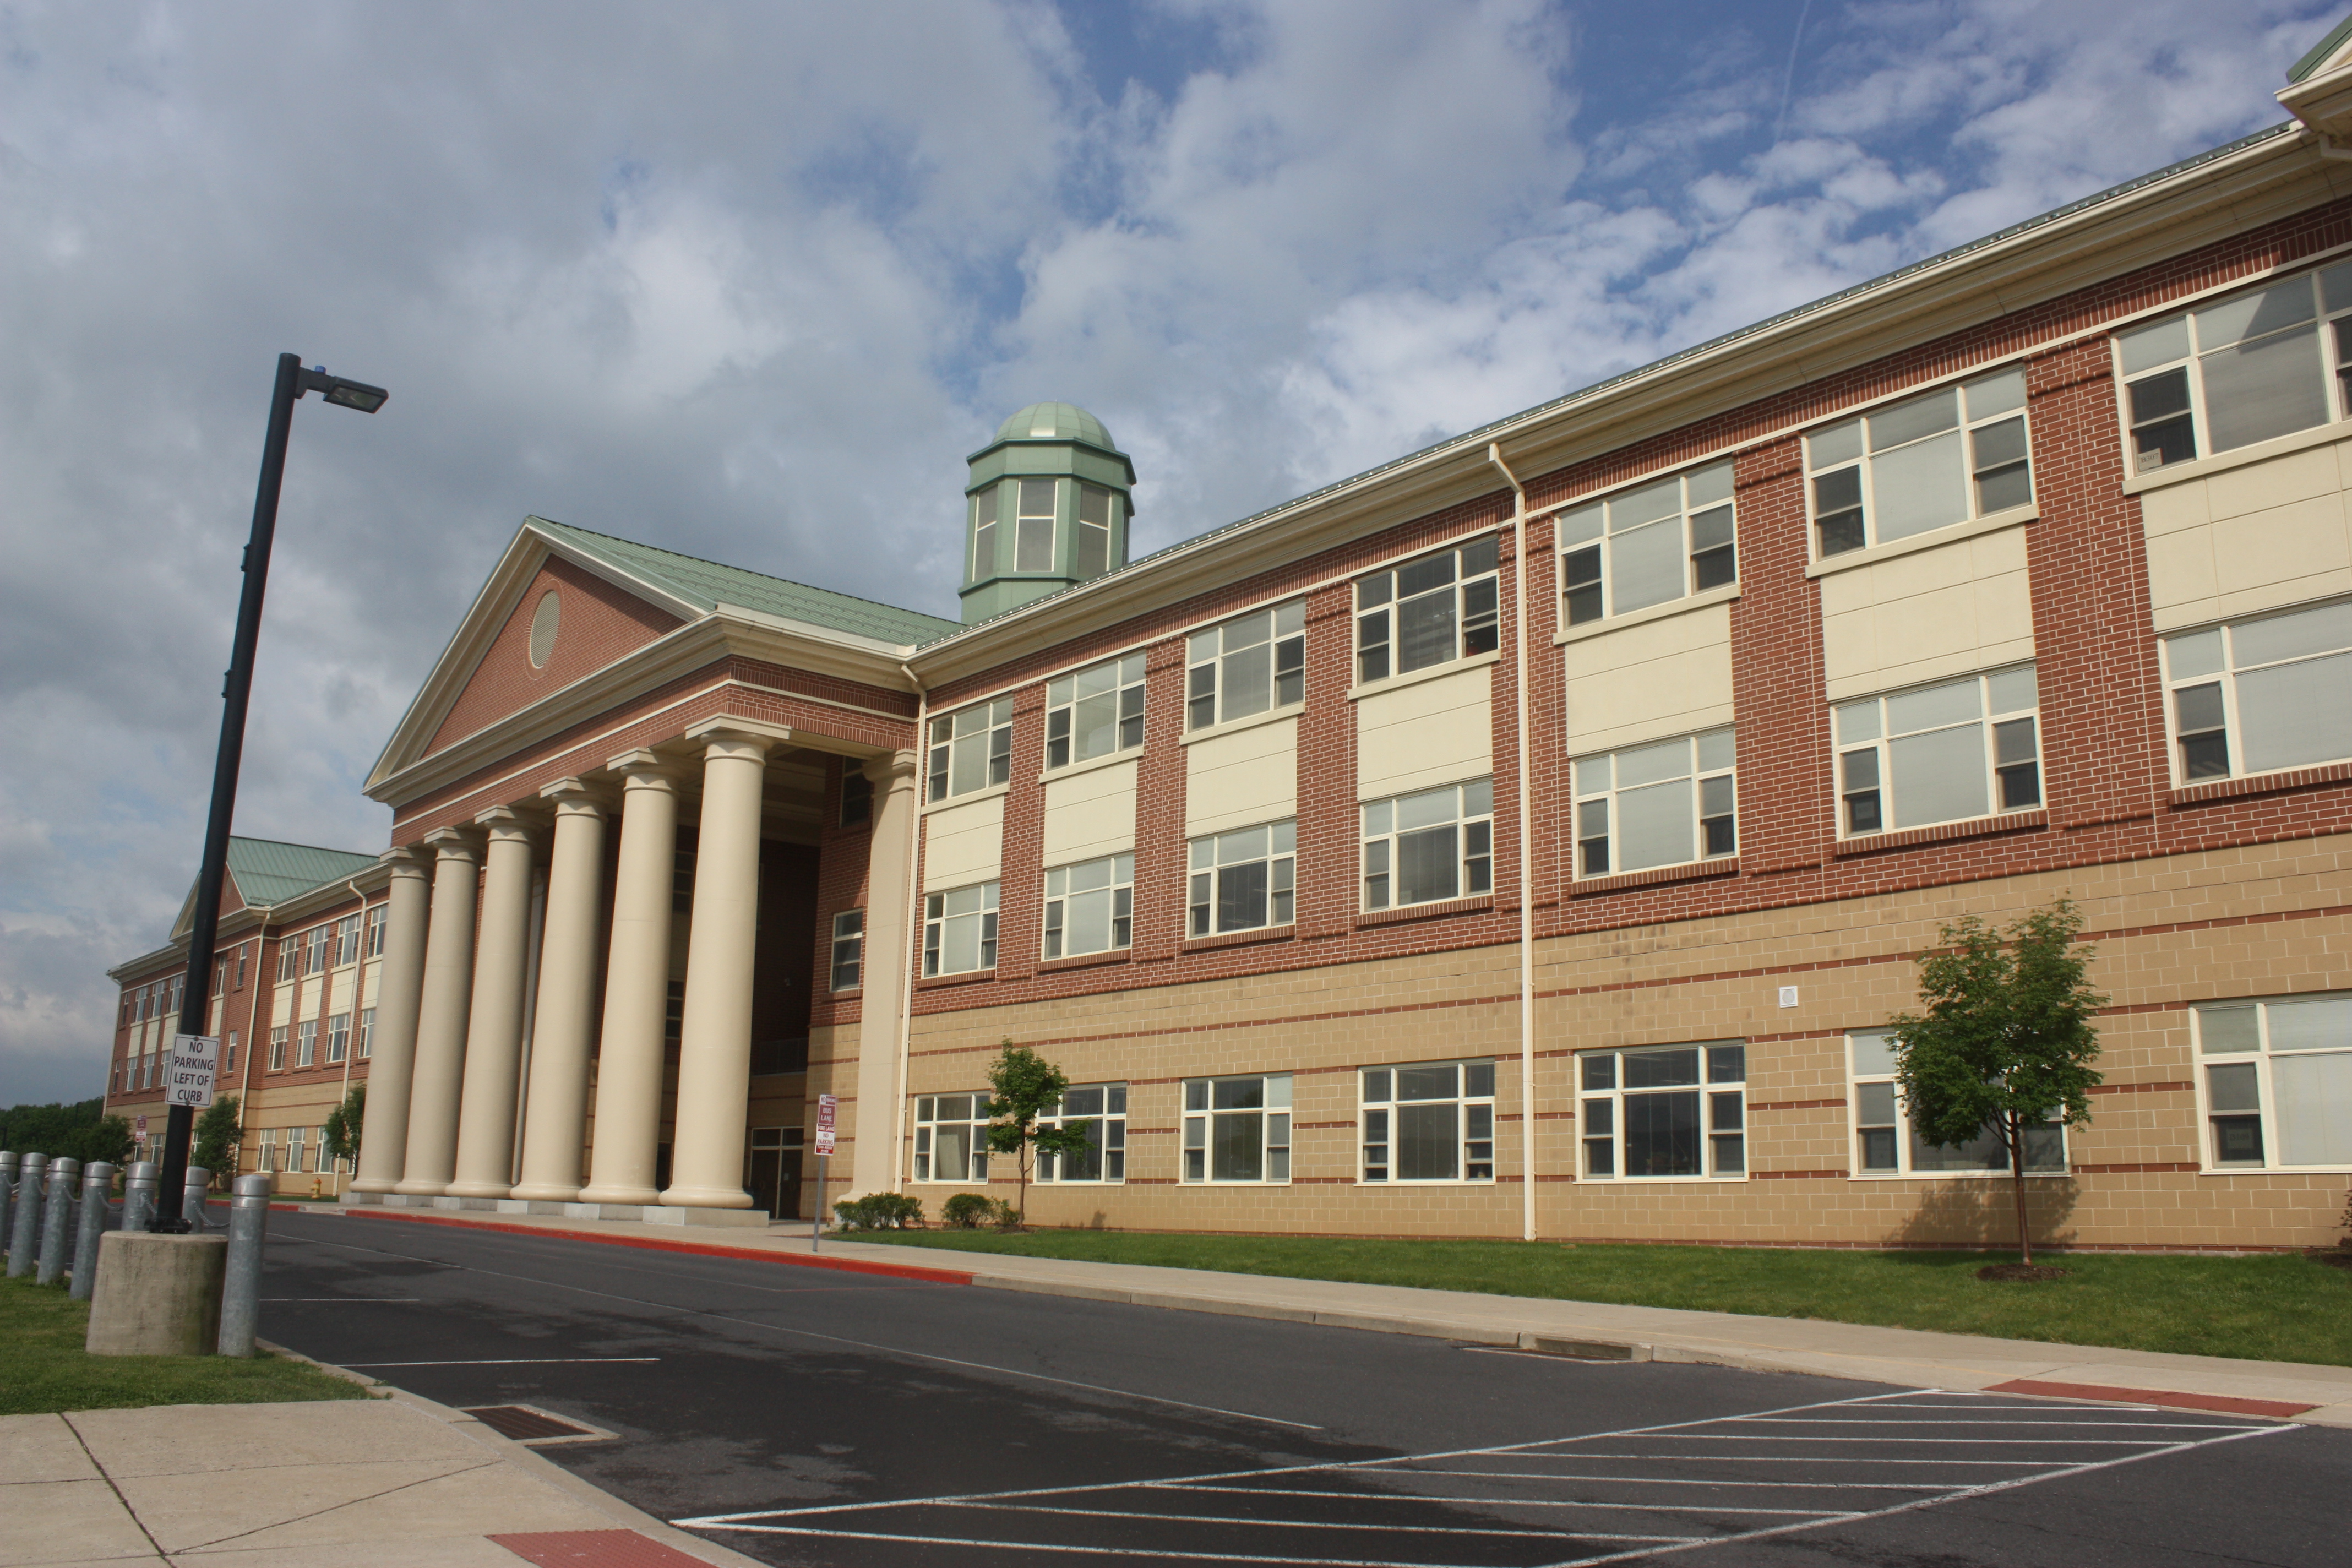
1025, 1182
2017, 1182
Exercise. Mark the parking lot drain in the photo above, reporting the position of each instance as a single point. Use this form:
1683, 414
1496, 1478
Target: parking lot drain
526, 1424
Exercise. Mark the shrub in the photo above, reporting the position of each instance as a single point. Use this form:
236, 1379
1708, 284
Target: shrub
879, 1211
968, 1211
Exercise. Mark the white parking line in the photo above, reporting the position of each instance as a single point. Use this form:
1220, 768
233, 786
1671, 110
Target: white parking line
1483, 1502
1284, 1523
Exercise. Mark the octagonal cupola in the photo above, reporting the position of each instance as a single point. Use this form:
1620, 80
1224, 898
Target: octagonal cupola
1046, 508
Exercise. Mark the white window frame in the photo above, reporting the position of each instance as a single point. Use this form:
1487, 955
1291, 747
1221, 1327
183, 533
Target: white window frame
1202, 1116
289, 958
1107, 1132
297, 1143
929, 1119
1696, 506
1222, 680
846, 971
306, 1043
2212, 1051
1032, 528
1983, 408
1215, 856
972, 741
2176, 348
938, 915
346, 940
1709, 775
339, 1037
277, 1048
1469, 594
363, 1040
1861, 749
1473, 821
265, 1151
1870, 1066
2210, 657
372, 942
1090, 554
1722, 1101
1381, 1107
1075, 703
1106, 880
318, 948
986, 505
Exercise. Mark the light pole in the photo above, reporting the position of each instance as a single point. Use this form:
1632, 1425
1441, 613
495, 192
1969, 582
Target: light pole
293, 381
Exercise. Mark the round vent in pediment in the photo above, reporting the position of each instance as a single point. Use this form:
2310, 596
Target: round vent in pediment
544, 622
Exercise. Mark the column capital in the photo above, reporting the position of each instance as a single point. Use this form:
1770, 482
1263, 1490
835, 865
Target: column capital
577, 797
411, 859
642, 766
735, 731
454, 844
507, 825
889, 767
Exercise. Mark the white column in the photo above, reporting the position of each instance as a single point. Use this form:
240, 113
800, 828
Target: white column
890, 948
391, 1057
714, 1068
555, 1126
637, 987
447, 994
485, 1123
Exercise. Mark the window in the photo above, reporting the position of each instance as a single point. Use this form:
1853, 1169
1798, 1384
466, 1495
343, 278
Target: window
1430, 1123
289, 957
960, 931
972, 750
238, 983
1645, 547
347, 941
1033, 534
951, 1138
363, 1044
277, 1048
295, 1137
178, 998
1244, 879
1438, 844
2254, 696
228, 1051
681, 875
1427, 612
848, 948
1940, 754
318, 948
339, 1036
2238, 370
1653, 1112
265, 1151
1103, 1107
1941, 458
1095, 712
1662, 805
1237, 1129
2277, 1083
371, 946
1884, 1144
674, 1013
1252, 664
857, 796
220, 976
1094, 532
1089, 907
306, 1044
983, 534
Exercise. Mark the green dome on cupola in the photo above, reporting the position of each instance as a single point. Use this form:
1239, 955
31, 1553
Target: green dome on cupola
1046, 508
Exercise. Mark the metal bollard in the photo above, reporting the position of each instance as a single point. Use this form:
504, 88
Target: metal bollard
57, 1226
138, 1195
248, 1224
192, 1196
97, 1181
24, 1240
8, 1158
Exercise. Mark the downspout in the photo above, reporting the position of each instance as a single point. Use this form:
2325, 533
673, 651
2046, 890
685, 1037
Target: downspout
905, 954
1527, 858
359, 994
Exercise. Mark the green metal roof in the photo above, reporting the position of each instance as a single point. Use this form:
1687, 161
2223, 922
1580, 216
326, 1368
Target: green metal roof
269, 872
707, 584
2311, 62
1055, 422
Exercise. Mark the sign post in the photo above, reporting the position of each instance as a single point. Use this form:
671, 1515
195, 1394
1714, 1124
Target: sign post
825, 1105
196, 1058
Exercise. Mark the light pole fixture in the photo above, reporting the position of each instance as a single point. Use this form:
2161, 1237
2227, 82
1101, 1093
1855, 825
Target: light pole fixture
293, 381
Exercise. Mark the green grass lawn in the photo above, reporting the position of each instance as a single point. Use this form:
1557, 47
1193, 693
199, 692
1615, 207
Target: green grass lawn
43, 1367
2270, 1308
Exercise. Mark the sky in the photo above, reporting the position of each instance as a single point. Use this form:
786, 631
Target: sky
751, 281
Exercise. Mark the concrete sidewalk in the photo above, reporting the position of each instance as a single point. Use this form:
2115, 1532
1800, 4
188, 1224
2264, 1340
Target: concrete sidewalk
2320, 1394
390, 1482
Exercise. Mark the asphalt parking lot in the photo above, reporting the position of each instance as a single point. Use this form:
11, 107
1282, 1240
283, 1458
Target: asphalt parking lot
809, 1416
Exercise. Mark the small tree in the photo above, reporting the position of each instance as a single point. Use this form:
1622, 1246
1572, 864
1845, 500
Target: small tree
343, 1125
2005, 1042
1027, 1086
219, 1131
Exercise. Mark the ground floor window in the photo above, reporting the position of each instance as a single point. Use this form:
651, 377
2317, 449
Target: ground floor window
1237, 1129
2277, 1082
951, 1138
265, 1151
1885, 1145
1430, 1122
1103, 1107
959, 929
1664, 1110
295, 1137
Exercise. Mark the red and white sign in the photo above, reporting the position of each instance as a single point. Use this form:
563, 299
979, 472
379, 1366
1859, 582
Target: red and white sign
825, 1104
142, 1127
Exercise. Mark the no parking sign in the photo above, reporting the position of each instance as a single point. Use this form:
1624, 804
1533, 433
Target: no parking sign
825, 1109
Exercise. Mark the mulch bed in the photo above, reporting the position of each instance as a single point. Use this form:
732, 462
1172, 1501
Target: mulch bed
2341, 1256
2021, 1271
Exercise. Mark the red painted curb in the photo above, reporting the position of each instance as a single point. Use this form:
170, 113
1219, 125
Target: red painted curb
2152, 1397
651, 1243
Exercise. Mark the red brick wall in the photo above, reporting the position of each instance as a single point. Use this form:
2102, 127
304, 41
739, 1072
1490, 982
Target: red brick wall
597, 625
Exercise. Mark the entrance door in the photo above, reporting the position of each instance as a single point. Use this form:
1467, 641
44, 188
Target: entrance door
772, 1171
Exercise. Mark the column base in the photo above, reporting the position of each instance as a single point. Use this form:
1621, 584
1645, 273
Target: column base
545, 1193
372, 1184
478, 1189
661, 1214
706, 1197
420, 1189
615, 1193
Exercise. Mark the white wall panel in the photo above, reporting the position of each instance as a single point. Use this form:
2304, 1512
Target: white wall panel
1961, 607
1429, 733
1091, 813
1236, 780
2262, 537
963, 844
1648, 680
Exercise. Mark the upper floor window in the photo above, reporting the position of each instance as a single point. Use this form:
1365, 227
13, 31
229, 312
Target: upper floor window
363, 1039
1103, 1107
317, 944
2257, 696
1237, 1129
1667, 803
983, 533
856, 795
1886, 1145
972, 749
1435, 845
1941, 458
1033, 528
1434, 1122
1251, 664
339, 1037
1095, 712
306, 1043
371, 943
1244, 879
277, 1048
2241, 370
1664, 1110
1442, 606
2277, 1084
1663, 542
347, 940
1089, 907
289, 957
220, 975
1940, 754
848, 950
1095, 525
959, 929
